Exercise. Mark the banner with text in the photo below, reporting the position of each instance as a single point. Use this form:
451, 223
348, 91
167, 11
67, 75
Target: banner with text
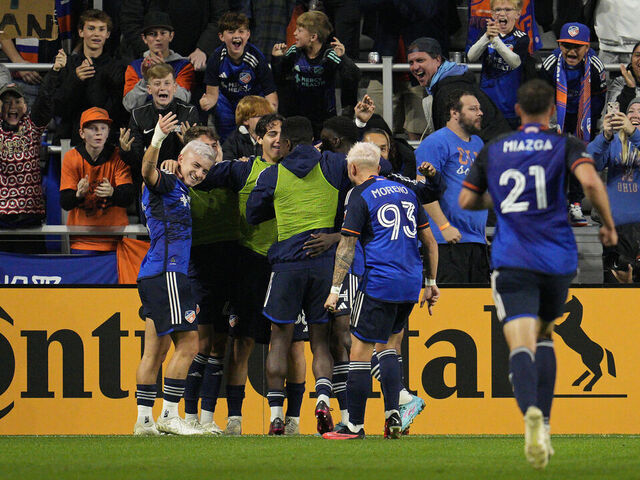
67, 353
28, 19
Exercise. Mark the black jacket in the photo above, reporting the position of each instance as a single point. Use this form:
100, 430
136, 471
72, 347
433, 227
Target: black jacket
239, 144
493, 122
73, 96
143, 123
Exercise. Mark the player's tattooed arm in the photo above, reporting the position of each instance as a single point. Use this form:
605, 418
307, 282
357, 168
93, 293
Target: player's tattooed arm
344, 258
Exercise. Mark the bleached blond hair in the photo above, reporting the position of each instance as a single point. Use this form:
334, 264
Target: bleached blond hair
364, 154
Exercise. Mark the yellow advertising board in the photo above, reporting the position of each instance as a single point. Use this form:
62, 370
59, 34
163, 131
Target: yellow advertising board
28, 19
68, 358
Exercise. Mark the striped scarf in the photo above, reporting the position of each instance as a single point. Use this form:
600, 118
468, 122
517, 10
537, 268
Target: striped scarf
583, 126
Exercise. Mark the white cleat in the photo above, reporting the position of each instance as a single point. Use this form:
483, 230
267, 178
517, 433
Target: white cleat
535, 444
234, 426
291, 426
145, 429
211, 428
178, 426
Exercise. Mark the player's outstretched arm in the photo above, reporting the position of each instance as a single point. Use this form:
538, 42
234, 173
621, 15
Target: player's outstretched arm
431, 291
344, 258
595, 191
150, 160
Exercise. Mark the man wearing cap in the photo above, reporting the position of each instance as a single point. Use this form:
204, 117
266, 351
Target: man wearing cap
157, 34
440, 77
617, 148
95, 184
580, 81
21, 201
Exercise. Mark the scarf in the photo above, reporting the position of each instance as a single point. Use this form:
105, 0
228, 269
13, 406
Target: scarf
445, 70
583, 125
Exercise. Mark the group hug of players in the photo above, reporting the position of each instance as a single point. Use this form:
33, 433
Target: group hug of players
296, 203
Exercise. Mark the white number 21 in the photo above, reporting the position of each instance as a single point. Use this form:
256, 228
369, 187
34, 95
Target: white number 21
510, 204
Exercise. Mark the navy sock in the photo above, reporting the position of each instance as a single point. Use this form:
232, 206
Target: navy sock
235, 396
173, 389
524, 378
401, 370
375, 366
358, 388
194, 380
340, 374
146, 394
295, 394
275, 398
546, 368
323, 386
211, 382
390, 378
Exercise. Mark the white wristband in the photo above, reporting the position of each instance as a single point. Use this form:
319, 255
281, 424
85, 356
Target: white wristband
360, 124
429, 282
158, 137
335, 290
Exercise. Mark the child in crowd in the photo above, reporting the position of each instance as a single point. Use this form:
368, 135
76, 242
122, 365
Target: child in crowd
307, 70
235, 70
95, 184
503, 51
157, 34
243, 141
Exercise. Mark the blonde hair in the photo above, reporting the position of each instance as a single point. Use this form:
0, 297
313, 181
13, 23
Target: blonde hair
316, 22
517, 4
364, 154
200, 149
252, 106
159, 71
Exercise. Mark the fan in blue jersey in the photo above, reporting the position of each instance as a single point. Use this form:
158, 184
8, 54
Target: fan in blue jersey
165, 292
534, 255
388, 220
452, 150
503, 50
235, 70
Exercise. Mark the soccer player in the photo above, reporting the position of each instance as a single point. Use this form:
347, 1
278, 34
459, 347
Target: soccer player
164, 288
452, 150
534, 254
387, 218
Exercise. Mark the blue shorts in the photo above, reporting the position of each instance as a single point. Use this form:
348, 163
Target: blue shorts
291, 291
213, 274
347, 295
374, 321
167, 300
524, 293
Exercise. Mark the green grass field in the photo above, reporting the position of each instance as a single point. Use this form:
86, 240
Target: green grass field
308, 457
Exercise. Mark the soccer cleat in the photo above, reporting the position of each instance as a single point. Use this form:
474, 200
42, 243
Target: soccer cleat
178, 426
410, 410
535, 446
339, 426
276, 427
234, 426
393, 426
211, 428
344, 434
145, 429
323, 414
576, 217
547, 440
291, 426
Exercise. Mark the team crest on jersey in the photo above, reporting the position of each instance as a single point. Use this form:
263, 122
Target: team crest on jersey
319, 70
185, 199
573, 30
190, 316
245, 77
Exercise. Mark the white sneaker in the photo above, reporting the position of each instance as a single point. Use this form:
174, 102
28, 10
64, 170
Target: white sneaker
234, 426
211, 428
535, 446
547, 439
178, 426
291, 426
145, 429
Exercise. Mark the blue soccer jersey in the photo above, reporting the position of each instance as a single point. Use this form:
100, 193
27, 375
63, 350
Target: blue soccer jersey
167, 209
500, 81
386, 216
526, 175
251, 76
452, 157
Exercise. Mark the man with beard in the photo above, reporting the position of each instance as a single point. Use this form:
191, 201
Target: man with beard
452, 150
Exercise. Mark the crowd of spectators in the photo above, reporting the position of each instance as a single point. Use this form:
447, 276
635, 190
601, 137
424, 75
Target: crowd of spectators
226, 63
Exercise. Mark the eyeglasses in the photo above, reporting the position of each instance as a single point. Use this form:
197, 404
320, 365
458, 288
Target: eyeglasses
503, 10
570, 46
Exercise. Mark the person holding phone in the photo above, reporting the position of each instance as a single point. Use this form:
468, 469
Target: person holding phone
626, 87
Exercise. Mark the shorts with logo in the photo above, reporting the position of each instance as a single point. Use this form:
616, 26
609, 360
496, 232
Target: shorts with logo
213, 272
168, 301
375, 321
291, 291
347, 295
525, 293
